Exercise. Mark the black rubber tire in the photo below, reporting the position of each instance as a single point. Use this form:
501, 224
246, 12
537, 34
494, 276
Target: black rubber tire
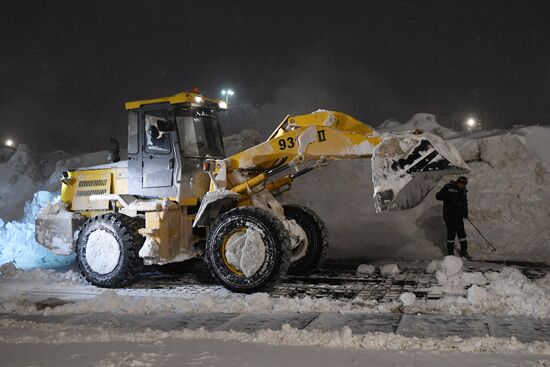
273, 234
125, 230
317, 237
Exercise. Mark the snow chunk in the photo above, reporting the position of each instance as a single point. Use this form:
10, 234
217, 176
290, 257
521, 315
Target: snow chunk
451, 265
408, 298
476, 278
365, 269
476, 294
389, 270
432, 266
253, 253
246, 251
102, 251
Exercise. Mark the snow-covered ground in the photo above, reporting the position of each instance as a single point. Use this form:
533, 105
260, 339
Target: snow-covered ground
504, 292
28, 344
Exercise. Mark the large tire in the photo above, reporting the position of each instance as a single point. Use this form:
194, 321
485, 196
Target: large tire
274, 237
317, 238
107, 250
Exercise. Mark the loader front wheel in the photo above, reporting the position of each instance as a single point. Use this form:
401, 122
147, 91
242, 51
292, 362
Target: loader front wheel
107, 250
306, 260
248, 249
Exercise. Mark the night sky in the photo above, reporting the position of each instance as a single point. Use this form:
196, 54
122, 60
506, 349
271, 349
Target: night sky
67, 67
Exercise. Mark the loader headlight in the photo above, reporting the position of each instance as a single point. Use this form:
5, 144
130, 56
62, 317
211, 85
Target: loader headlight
198, 99
222, 105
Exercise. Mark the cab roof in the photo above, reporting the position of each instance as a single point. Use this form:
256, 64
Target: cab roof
191, 98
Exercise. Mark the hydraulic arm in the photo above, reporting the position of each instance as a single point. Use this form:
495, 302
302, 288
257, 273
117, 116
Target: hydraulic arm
404, 166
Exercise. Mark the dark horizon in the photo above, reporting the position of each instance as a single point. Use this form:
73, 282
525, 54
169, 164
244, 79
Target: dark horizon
68, 67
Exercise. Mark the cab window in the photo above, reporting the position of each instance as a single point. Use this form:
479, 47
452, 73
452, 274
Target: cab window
156, 141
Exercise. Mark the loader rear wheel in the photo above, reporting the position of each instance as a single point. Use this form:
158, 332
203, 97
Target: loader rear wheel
107, 250
317, 239
248, 249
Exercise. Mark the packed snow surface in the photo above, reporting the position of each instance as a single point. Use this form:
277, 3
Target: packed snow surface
56, 334
504, 292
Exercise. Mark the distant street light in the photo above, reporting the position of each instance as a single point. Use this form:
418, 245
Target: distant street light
9, 143
227, 93
471, 124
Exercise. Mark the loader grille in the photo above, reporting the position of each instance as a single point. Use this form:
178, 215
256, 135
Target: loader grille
90, 192
89, 184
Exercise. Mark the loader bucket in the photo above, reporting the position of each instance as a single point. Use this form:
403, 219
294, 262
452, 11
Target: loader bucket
55, 228
405, 167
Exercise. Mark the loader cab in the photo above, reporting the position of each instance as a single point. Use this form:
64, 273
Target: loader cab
168, 140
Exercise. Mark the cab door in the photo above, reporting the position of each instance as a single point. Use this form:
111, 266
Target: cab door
158, 148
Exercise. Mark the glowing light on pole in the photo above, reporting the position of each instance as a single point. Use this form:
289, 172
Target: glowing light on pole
9, 143
471, 123
227, 93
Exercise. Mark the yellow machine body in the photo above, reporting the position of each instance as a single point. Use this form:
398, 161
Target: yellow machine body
250, 177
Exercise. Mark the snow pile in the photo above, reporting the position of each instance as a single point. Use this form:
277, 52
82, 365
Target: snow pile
388, 124
6, 152
238, 142
507, 292
17, 243
425, 122
52, 183
26, 172
20, 177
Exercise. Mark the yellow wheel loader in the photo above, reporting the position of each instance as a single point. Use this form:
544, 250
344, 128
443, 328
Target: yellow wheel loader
178, 197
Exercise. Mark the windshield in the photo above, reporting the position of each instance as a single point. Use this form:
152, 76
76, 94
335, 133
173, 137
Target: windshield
199, 133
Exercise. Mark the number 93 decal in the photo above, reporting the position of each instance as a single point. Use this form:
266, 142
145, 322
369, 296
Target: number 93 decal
286, 143
289, 142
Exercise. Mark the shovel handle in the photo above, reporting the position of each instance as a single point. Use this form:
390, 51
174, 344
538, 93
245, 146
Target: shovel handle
482, 236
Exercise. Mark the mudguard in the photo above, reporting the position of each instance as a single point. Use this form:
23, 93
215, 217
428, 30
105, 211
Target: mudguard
211, 205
